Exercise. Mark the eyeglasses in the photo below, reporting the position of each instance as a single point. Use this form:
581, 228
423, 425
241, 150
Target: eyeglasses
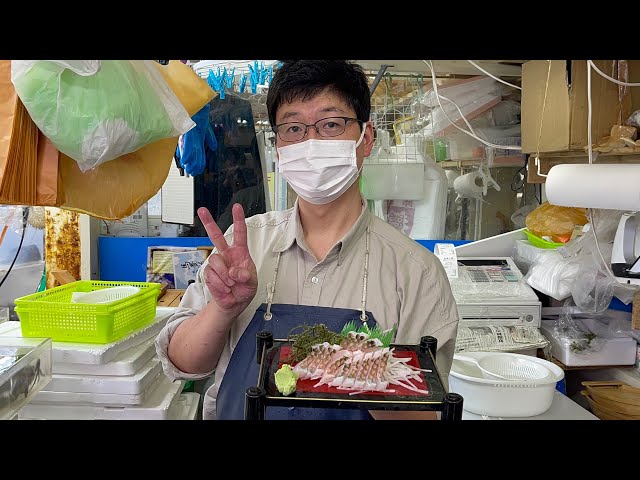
326, 127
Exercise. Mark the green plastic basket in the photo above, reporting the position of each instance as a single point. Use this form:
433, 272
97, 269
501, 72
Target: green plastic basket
541, 242
51, 314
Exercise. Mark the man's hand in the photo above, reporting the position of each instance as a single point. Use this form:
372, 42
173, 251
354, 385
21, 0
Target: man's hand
230, 274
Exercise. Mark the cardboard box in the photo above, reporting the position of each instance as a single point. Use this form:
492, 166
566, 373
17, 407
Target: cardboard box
562, 126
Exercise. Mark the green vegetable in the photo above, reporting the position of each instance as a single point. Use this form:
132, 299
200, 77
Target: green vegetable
582, 345
385, 336
286, 380
310, 336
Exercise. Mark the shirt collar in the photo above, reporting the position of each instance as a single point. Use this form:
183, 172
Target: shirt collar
293, 232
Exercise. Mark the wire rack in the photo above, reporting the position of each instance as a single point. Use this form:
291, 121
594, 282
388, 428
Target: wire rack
398, 139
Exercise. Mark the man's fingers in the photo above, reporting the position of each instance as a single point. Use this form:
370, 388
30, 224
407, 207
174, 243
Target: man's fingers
213, 280
217, 263
213, 230
239, 226
240, 275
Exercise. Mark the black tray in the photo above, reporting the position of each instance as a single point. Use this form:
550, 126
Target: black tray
267, 394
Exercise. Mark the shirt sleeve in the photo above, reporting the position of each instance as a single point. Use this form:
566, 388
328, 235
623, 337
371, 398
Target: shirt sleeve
193, 301
427, 307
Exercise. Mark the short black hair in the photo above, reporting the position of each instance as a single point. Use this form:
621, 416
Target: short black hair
304, 79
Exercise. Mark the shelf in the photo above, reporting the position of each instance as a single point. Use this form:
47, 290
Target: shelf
551, 159
507, 161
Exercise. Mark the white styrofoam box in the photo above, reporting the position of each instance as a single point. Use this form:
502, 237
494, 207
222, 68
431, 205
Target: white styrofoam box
156, 407
92, 398
126, 363
69, 352
129, 384
615, 351
186, 408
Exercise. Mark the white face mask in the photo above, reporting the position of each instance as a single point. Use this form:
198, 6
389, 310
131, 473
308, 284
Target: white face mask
319, 171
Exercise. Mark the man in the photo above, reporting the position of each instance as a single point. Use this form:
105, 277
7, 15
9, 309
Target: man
327, 258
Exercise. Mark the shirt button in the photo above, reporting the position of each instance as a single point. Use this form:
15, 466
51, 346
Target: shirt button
314, 280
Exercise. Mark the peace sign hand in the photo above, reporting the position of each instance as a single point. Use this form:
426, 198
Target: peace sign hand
230, 274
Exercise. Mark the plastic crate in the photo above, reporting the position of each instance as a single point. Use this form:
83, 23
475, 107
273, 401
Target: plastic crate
52, 314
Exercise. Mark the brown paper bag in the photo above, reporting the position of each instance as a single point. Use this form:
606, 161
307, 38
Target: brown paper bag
115, 189
18, 145
47, 174
8, 100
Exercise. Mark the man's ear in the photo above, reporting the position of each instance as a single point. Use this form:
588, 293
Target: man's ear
368, 139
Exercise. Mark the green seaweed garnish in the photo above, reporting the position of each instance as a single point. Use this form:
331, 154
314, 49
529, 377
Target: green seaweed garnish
310, 336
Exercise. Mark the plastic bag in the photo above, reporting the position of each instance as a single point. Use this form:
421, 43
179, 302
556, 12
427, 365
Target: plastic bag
576, 336
555, 222
577, 270
116, 189
634, 119
551, 274
95, 111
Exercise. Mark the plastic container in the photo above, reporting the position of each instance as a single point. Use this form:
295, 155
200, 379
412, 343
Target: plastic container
23, 279
122, 385
25, 368
52, 314
387, 180
126, 363
158, 406
615, 350
103, 399
423, 219
502, 398
186, 408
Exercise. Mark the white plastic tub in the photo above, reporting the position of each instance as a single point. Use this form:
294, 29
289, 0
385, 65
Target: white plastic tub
498, 398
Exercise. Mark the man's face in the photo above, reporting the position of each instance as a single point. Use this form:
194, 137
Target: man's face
325, 105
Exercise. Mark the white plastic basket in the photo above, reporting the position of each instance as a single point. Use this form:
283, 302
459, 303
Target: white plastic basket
106, 295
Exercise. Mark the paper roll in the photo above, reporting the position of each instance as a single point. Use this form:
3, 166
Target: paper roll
609, 186
469, 185
446, 253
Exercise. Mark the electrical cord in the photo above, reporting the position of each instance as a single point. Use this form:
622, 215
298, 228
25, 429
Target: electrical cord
611, 79
438, 97
518, 179
493, 76
25, 215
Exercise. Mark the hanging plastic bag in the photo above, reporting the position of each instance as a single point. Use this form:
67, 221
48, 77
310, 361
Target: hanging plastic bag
116, 189
556, 223
95, 111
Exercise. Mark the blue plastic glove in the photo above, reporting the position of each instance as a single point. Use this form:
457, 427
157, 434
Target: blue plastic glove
193, 158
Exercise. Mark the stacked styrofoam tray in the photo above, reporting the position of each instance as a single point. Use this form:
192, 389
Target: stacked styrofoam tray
158, 406
119, 380
186, 408
83, 353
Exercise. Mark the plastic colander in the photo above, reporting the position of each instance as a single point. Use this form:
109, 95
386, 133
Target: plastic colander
508, 367
106, 295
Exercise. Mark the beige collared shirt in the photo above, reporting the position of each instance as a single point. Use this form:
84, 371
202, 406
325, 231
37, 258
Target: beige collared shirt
406, 286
